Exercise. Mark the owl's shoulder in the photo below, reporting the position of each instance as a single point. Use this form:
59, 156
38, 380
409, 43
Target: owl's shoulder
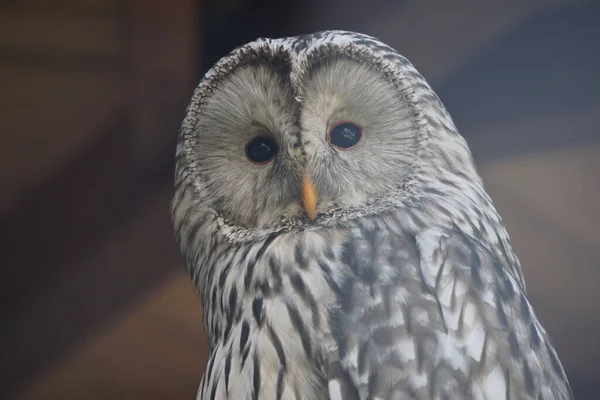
438, 312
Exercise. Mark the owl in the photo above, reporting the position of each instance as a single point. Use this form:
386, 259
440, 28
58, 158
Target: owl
341, 239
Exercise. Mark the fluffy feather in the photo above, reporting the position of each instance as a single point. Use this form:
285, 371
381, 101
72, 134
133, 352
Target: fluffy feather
404, 287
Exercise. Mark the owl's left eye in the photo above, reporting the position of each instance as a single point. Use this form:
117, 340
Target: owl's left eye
261, 150
345, 135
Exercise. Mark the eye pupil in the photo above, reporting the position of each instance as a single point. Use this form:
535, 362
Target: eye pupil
261, 150
345, 135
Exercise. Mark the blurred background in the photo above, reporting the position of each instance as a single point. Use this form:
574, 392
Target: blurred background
95, 303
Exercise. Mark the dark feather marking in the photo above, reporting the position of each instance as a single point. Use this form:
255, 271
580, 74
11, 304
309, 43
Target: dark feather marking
298, 284
221, 254
230, 314
257, 310
434, 191
473, 260
275, 274
362, 357
217, 332
432, 381
419, 353
278, 348
462, 175
528, 376
480, 225
440, 271
503, 275
500, 245
335, 372
227, 371
484, 349
514, 344
509, 290
223, 274
374, 238
238, 315
244, 335
501, 313
213, 391
249, 273
385, 336
329, 276
245, 357
307, 296
348, 255
347, 296
299, 325
261, 251
369, 275
535, 337
193, 232
372, 383
387, 301
408, 318
210, 366
337, 330
299, 257
256, 378
228, 327
441, 314
329, 254
264, 288
257, 258
474, 229
213, 299
453, 296
525, 312
475, 264
437, 288
280, 376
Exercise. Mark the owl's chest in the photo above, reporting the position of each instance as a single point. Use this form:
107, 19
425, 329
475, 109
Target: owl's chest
300, 284
299, 302
275, 306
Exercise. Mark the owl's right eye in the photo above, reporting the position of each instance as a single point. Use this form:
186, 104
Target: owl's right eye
261, 150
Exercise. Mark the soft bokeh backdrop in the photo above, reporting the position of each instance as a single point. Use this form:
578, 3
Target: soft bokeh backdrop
95, 302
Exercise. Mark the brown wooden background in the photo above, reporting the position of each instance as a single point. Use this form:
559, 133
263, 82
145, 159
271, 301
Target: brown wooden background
95, 303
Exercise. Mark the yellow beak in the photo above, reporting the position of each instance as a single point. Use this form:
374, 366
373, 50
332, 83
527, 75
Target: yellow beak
309, 197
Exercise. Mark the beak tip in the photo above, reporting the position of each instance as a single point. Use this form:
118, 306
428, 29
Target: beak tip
309, 198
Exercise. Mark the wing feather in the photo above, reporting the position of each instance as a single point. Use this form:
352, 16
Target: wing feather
438, 316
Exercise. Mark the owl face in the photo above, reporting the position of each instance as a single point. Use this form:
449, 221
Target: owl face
282, 137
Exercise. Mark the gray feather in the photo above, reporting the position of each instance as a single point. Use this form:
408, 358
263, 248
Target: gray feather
406, 285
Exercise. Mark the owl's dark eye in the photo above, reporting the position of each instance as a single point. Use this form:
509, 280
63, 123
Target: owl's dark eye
345, 135
261, 150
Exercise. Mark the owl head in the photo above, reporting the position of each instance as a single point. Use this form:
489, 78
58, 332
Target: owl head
303, 131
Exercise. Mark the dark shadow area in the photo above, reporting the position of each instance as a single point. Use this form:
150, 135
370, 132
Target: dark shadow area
549, 64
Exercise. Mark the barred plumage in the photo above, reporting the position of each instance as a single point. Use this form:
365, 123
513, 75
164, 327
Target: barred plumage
405, 286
